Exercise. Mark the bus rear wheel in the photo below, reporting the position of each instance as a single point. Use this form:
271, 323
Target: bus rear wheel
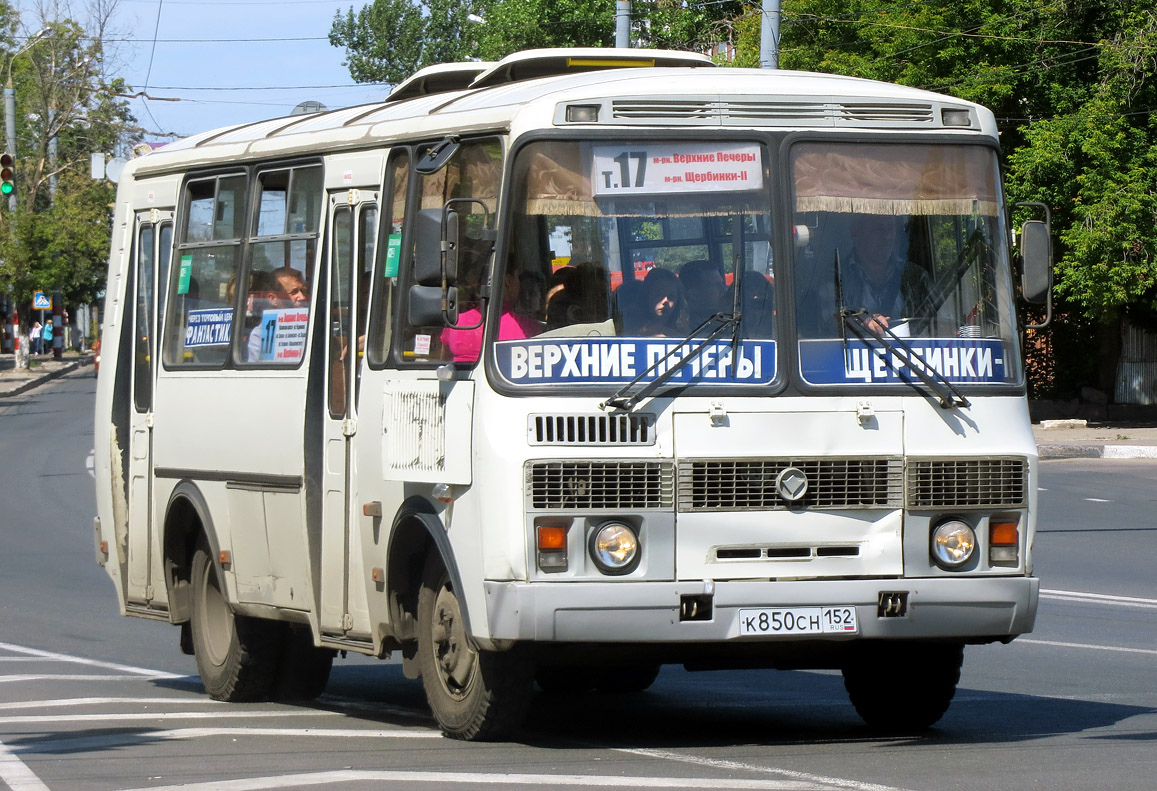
475, 695
903, 687
236, 656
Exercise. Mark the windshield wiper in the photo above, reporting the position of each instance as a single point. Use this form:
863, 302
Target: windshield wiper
620, 400
949, 396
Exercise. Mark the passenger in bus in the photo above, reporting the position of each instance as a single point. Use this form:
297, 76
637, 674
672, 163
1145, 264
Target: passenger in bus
581, 298
292, 286
465, 345
629, 308
666, 305
707, 291
878, 279
266, 292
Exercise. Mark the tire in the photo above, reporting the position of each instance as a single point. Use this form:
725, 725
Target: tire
236, 656
303, 668
904, 687
475, 695
564, 680
627, 680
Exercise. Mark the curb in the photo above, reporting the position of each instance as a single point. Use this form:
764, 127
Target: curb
42, 378
1097, 451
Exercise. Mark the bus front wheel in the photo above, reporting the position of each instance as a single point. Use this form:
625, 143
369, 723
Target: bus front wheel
903, 687
236, 656
474, 695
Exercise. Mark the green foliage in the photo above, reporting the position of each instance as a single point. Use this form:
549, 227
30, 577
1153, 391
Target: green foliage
533, 24
388, 40
59, 239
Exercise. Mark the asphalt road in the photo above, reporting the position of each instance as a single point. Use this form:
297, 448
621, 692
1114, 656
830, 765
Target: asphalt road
90, 700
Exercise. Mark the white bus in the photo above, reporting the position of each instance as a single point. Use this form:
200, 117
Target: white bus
559, 369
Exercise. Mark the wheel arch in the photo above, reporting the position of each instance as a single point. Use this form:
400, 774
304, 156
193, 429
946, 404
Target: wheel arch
416, 532
187, 519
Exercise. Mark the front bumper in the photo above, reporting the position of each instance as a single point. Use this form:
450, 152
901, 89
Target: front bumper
648, 612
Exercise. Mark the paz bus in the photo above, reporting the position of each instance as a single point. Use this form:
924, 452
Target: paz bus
552, 371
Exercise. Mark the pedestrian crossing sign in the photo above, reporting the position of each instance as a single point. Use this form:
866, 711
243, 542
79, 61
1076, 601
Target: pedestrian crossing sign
40, 301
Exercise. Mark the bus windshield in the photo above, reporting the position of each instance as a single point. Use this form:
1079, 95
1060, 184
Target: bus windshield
901, 245
621, 250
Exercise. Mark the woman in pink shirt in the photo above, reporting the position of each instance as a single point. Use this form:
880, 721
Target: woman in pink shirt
465, 346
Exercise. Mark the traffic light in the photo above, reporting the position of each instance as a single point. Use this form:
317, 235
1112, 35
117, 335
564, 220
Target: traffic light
7, 174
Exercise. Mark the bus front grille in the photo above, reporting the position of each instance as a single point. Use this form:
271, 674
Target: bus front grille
967, 483
578, 429
750, 484
600, 485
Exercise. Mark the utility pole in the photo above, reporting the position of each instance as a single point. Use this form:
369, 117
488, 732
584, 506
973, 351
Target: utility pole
623, 23
769, 35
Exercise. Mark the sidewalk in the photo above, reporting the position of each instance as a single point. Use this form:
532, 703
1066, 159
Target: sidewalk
41, 369
1078, 439
1055, 439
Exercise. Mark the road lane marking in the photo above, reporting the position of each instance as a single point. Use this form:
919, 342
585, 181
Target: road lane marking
45, 704
329, 779
84, 677
75, 744
20, 649
1096, 500
1117, 648
35, 719
15, 774
1099, 598
806, 778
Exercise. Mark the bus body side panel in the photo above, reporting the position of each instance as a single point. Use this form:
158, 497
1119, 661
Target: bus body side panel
238, 435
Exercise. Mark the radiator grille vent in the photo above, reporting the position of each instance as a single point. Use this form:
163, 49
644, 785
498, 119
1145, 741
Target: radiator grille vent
749, 484
634, 429
594, 485
716, 112
967, 483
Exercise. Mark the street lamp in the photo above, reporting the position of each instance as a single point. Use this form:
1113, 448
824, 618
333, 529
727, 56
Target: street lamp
10, 101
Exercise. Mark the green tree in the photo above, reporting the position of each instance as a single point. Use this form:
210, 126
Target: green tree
58, 236
388, 40
1071, 83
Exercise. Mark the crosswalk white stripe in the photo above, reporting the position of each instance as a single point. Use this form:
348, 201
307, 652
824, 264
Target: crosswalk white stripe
81, 677
37, 719
329, 779
60, 702
1110, 597
16, 775
142, 671
804, 777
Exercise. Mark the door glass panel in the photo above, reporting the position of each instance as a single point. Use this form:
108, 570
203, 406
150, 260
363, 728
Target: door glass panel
143, 357
341, 265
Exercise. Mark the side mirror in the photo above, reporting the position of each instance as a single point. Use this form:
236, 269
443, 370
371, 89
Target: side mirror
431, 244
1036, 279
426, 307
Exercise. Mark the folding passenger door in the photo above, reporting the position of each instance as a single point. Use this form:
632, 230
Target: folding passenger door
152, 249
352, 228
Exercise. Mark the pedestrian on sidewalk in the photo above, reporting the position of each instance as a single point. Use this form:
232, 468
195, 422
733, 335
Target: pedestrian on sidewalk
34, 337
46, 335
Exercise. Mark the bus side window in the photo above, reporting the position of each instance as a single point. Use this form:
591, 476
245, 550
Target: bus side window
474, 171
200, 317
276, 306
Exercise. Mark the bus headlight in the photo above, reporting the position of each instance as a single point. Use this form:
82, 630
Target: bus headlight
953, 543
614, 547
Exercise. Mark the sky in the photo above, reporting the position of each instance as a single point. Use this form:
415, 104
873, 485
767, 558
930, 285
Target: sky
226, 61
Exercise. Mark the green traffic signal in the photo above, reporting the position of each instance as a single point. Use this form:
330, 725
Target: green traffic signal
7, 174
